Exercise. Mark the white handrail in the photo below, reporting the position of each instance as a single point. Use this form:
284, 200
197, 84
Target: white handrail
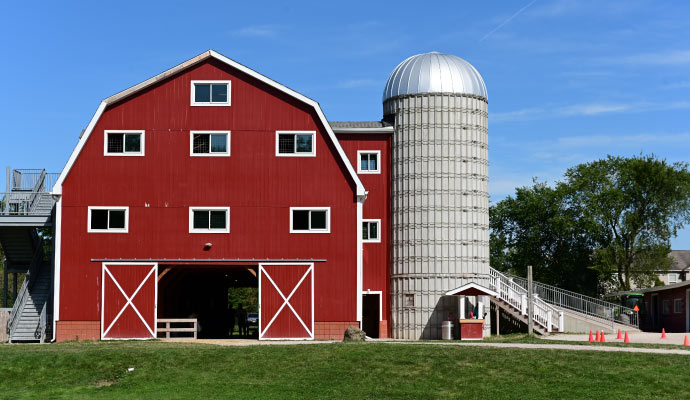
544, 314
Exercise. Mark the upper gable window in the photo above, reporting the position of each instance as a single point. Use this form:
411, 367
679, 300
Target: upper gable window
209, 143
124, 143
295, 144
210, 93
108, 219
369, 162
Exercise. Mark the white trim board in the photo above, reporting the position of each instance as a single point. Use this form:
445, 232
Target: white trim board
57, 189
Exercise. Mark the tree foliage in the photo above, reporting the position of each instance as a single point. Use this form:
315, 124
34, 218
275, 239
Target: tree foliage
612, 217
637, 204
537, 227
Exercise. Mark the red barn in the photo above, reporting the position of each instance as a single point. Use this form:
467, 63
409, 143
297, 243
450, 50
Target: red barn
210, 175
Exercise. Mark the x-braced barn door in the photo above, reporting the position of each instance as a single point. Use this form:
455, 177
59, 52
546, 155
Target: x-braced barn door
129, 294
286, 301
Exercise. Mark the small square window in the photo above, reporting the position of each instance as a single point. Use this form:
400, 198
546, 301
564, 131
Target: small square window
124, 143
213, 143
309, 220
210, 93
371, 230
108, 219
368, 162
678, 306
295, 144
409, 300
209, 220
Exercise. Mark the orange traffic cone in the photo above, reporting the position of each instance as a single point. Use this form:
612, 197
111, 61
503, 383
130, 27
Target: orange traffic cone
603, 339
598, 337
686, 343
619, 334
663, 333
626, 338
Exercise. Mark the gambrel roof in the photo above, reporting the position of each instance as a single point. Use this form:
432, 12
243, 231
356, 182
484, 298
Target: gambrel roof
57, 189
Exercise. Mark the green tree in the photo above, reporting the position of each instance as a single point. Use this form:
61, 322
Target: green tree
637, 204
539, 227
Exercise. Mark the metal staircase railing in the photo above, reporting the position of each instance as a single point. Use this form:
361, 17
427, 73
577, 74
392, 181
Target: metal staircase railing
590, 307
29, 280
544, 314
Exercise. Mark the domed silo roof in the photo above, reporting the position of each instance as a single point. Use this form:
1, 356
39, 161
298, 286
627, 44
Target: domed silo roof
434, 73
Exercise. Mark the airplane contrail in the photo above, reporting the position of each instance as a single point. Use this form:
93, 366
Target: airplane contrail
507, 20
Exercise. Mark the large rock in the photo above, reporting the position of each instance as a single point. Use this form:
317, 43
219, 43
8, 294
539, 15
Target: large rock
354, 334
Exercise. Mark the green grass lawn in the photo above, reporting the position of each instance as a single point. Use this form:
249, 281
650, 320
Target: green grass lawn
535, 339
338, 370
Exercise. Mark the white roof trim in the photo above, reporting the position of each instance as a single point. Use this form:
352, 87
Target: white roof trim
472, 285
57, 189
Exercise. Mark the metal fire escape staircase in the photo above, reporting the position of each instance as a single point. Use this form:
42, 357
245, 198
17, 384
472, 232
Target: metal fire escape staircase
555, 309
25, 207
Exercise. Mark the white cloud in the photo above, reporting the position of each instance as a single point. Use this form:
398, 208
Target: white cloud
257, 31
591, 109
669, 58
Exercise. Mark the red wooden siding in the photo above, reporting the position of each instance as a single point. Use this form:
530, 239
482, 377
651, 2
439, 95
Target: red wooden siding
133, 316
160, 187
376, 256
286, 298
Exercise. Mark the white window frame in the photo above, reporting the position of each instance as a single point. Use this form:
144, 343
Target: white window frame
296, 154
226, 153
209, 230
359, 162
142, 148
210, 104
675, 278
378, 229
108, 230
328, 219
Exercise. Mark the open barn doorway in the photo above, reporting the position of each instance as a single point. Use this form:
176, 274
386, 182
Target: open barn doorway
222, 299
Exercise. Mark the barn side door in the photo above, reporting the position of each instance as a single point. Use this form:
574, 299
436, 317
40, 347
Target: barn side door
286, 301
128, 302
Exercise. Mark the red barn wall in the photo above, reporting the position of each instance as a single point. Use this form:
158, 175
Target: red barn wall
376, 256
159, 188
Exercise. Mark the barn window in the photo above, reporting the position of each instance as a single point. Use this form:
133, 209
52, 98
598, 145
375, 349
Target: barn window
310, 220
295, 144
108, 219
209, 143
210, 93
124, 143
678, 306
371, 230
368, 162
209, 219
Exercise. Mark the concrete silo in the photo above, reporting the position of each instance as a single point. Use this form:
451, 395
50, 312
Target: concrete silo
440, 169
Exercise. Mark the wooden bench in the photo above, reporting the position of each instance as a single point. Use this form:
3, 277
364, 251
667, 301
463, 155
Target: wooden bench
167, 329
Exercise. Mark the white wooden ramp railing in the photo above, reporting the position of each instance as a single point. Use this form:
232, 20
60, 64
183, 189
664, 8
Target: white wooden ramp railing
545, 315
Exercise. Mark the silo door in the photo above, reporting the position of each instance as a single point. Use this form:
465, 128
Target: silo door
286, 301
128, 306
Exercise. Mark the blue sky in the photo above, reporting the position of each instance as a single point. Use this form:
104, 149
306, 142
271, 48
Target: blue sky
568, 81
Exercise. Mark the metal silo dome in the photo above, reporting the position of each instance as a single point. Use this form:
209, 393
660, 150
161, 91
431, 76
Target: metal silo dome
434, 73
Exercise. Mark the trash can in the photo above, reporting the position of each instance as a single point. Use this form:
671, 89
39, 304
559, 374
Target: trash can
447, 330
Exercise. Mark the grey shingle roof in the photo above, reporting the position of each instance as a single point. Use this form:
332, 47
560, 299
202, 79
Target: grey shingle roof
358, 124
681, 259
